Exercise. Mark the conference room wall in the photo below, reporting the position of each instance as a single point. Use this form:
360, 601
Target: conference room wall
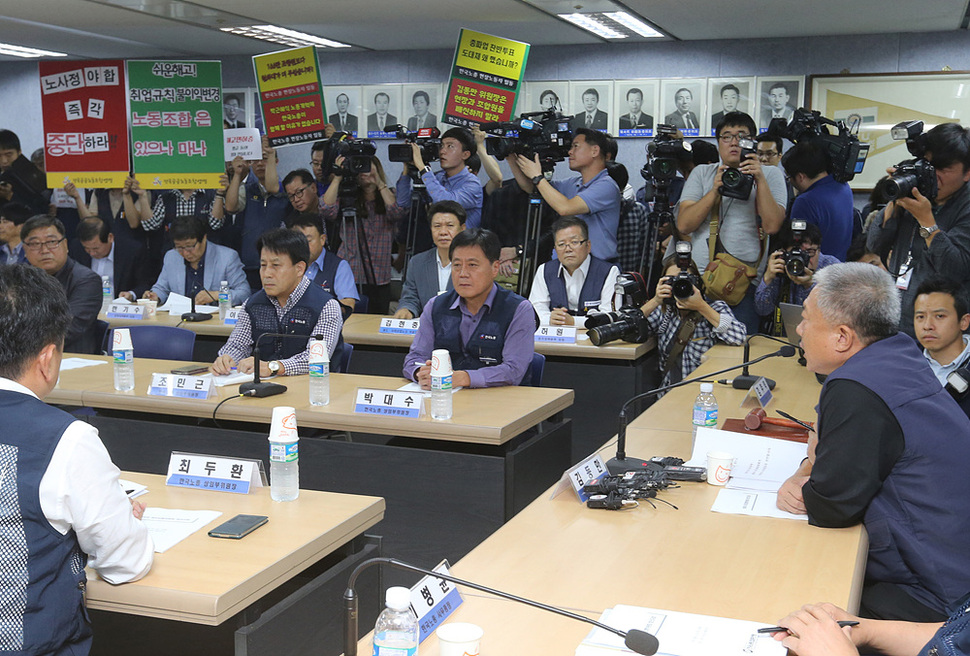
878, 53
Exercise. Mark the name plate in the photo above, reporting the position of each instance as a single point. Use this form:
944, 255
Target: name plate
433, 600
232, 316
557, 334
185, 387
585, 472
392, 326
391, 403
131, 311
216, 473
760, 392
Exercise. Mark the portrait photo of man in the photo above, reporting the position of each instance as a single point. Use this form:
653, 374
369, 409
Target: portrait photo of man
385, 103
778, 100
682, 105
589, 115
423, 104
233, 111
635, 118
547, 95
729, 97
343, 120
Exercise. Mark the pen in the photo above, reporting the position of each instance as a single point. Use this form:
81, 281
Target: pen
778, 629
797, 421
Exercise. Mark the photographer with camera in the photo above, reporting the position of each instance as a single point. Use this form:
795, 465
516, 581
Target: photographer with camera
789, 276
687, 325
592, 195
745, 201
822, 200
927, 233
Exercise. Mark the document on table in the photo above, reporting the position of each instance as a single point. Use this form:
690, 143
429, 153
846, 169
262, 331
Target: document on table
169, 526
132, 489
415, 387
680, 634
178, 304
79, 363
231, 379
761, 463
749, 502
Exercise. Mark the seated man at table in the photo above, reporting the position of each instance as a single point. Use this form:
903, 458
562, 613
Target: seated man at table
429, 272
195, 267
940, 317
326, 269
892, 450
288, 303
489, 331
46, 246
565, 290
59, 492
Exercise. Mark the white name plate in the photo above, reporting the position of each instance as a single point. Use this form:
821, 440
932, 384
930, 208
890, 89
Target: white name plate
216, 473
557, 334
392, 326
186, 387
131, 311
390, 403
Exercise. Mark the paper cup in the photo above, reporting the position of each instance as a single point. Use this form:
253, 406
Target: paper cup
719, 467
121, 340
441, 362
283, 426
151, 307
459, 639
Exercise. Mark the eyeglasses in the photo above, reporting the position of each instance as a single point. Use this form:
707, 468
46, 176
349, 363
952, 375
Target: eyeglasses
187, 249
296, 194
728, 138
43, 245
767, 154
575, 243
811, 252
313, 164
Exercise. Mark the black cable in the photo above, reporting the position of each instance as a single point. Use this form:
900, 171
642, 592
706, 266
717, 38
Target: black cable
219, 405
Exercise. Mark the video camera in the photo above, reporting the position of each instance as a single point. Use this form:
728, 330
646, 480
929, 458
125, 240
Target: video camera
357, 154
735, 184
797, 260
627, 323
427, 138
664, 154
847, 155
546, 134
684, 282
911, 173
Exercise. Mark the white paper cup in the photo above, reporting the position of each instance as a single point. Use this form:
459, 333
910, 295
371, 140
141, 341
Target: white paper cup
121, 340
441, 362
719, 467
151, 307
459, 639
283, 426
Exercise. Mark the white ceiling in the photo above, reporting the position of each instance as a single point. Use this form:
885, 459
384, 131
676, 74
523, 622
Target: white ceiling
137, 28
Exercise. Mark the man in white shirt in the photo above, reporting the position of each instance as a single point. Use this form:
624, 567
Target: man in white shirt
59, 491
564, 291
940, 317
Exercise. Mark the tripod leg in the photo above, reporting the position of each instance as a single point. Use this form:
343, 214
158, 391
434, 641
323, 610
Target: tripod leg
412, 231
530, 253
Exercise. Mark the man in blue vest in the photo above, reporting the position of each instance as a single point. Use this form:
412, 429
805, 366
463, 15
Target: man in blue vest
59, 493
489, 331
566, 290
891, 451
326, 269
290, 304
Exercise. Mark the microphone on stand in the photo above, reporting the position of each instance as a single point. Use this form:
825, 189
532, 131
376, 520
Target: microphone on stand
746, 380
192, 315
621, 463
636, 640
259, 389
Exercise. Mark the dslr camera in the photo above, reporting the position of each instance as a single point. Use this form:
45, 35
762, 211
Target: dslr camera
627, 323
915, 173
797, 260
546, 134
427, 138
684, 282
664, 154
735, 184
847, 155
357, 154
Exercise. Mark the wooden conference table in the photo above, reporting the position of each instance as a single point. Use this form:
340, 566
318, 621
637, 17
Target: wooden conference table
693, 560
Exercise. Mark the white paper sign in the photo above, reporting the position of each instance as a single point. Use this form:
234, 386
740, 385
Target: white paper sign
243, 142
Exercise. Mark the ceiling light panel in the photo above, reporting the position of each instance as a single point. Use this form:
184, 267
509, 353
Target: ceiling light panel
284, 36
592, 23
27, 53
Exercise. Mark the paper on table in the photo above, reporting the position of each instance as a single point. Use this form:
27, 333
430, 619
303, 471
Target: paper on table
169, 526
78, 363
756, 504
229, 379
680, 634
760, 463
178, 304
132, 489
415, 387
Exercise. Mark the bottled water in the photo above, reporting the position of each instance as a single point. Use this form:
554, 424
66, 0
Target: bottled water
705, 408
396, 632
441, 397
284, 469
124, 360
319, 372
225, 302
106, 293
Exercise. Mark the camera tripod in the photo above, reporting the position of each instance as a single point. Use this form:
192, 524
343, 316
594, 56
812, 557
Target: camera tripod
659, 215
419, 199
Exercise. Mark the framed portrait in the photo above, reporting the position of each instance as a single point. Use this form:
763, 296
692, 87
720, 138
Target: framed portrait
635, 103
421, 105
682, 104
343, 104
590, 104
728, 94
540, 96
382, 109
237, 107
778, 97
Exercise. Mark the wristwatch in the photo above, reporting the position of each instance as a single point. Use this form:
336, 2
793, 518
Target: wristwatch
539, 178
274, 366
426, 169
926, 232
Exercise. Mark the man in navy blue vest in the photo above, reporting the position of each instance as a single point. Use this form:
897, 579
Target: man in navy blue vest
891, 451
326, 269
59, 493
290, 304
566, 289
489, 331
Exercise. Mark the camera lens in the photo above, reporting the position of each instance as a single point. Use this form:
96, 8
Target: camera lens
682, 288
899, 186
731, 177
611, 332
795, 267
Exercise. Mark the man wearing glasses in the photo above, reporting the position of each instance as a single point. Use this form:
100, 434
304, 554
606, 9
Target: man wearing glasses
301, 190
45, 244
195, 268
564, 292
742, 224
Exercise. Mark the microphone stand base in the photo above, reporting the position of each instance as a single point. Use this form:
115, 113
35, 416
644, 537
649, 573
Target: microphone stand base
261, 390
617, 466
746, 382
196, 316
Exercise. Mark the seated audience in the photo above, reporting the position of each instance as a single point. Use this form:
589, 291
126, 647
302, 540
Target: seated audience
125, 263
941, 317
326, 269
429, 272
12, 216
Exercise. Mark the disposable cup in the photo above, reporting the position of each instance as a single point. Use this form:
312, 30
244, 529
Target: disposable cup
719, 466
459, 639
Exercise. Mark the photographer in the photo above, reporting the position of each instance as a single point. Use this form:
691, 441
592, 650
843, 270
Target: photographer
592, 195
822, 200
687, 327
790, 283
929, 237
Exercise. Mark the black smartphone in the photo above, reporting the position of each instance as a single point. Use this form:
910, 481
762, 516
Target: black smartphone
190, 370
238, 527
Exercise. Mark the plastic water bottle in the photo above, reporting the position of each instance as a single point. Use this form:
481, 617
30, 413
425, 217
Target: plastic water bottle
124, 359
396, 632
225, 302
284, 456
441, 397
319, 372
106, 293
705, 408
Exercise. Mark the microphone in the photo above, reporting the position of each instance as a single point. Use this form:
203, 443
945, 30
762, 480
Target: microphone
745, 380
636, 640
262, 390
192, 315
621, 463
397, 127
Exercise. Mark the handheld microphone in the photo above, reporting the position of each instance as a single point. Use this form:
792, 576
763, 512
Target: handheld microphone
192, 315
636, 640
259, 389
397, 127
745, 380
621, 463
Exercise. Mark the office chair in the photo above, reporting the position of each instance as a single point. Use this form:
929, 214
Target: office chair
162, 342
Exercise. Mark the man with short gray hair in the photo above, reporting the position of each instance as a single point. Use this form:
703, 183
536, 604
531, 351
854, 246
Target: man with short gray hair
891, 449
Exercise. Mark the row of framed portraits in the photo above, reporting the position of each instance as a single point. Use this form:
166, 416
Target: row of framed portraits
624, 108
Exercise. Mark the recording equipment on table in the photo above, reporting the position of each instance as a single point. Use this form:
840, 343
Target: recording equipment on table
626, 323
621, 463
797, 260
847, 155
192, 315
259, 389
735, 184
622, 491
546, 134
638, 641
911, 173
426, 138
665, 153
682, 285
746, 380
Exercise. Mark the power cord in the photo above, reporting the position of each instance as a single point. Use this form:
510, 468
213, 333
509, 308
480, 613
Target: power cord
228, 398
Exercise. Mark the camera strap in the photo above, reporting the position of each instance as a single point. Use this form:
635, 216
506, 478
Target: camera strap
681, 340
